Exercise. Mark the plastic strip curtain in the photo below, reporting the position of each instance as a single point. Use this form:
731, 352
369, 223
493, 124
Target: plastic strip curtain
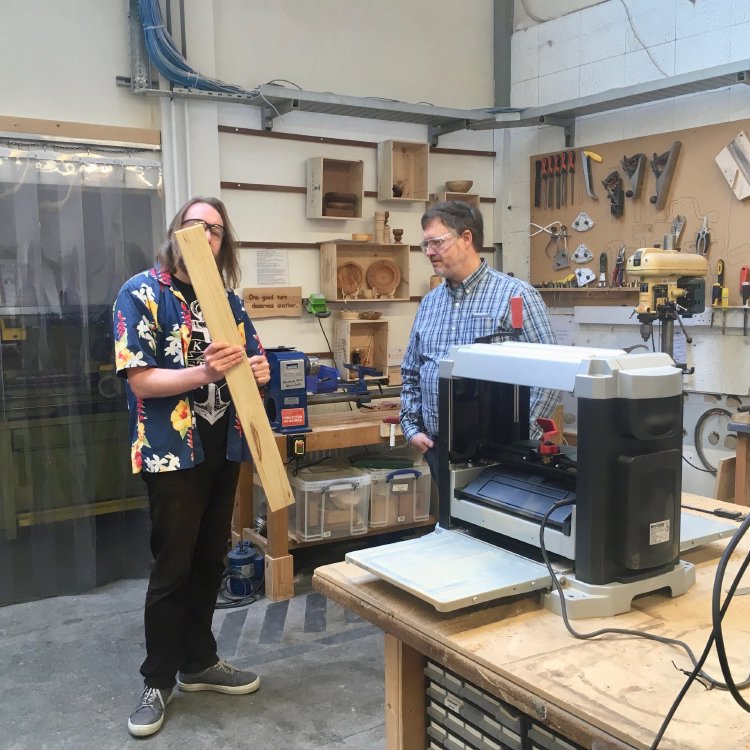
73, 226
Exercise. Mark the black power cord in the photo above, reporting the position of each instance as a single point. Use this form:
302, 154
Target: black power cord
229, 600
717, 616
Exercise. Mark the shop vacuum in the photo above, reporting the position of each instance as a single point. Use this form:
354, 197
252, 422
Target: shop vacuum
243, 576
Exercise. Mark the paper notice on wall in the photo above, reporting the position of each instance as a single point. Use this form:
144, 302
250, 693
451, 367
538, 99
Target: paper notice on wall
272, 267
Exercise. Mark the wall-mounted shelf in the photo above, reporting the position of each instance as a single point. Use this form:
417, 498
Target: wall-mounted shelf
471, 198
563, 297
332, 179
402, 171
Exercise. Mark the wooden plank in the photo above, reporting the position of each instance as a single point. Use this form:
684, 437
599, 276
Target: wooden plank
724, 484
405, 709
80, 131
209, 288
279, 577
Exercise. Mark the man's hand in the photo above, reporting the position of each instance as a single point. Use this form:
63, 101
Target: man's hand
421, 442
261, 369
219, 358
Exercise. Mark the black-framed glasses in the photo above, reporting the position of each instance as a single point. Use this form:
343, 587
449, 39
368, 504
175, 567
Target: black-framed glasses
217, 230
437, 244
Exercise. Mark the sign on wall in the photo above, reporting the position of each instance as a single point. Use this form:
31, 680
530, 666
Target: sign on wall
273, 302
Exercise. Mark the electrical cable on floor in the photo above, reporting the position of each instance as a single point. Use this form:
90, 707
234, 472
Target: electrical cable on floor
697, 663
229, 599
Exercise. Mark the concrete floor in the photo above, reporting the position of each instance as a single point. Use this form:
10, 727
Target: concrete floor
70, 678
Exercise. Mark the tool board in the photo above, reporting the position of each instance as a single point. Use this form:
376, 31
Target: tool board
698, 189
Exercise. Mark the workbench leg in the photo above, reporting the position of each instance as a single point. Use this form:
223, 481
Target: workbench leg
279, 563
741, 473
279, 577
405, 707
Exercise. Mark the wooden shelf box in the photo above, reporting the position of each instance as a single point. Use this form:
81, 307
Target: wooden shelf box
365, 340
326, 176
404, 165
338, 252
471, 198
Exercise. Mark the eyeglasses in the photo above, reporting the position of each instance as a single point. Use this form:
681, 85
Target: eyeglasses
217, 230
437, 244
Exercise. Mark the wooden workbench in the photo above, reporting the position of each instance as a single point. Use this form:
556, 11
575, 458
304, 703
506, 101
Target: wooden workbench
328, 432
610, 692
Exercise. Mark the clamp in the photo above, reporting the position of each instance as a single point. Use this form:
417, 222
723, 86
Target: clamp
613, 185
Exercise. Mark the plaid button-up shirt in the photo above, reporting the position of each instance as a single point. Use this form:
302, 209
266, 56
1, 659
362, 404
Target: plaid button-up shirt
449, 317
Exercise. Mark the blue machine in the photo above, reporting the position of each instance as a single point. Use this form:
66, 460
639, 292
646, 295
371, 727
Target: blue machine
244, 569
286, 395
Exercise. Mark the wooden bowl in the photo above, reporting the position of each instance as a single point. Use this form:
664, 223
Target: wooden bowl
383, 276
459, 186
370, 315
349, 277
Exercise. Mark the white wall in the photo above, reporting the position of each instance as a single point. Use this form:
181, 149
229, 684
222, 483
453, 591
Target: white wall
439, 52
594, 50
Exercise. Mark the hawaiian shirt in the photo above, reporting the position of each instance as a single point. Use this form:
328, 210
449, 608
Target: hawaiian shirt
152, 328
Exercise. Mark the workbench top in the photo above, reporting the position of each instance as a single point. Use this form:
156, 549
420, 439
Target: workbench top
607, 692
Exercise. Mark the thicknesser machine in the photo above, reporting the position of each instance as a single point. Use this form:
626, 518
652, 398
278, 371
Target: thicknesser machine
619, 536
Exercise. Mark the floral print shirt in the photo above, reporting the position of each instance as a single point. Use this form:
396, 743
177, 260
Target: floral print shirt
152, 328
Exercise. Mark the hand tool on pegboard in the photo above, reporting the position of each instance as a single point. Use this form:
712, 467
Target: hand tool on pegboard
557, 169
564, 177
613, 185
602, 269
537, 183
572, 172
718, 286
745, 295
663, 166
586, 158
618, 272
703, 238
634, 167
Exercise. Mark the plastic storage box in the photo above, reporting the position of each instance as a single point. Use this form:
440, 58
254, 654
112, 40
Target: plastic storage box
399, 495
331, 501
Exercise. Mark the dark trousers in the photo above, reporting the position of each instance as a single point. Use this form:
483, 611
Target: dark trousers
191, 516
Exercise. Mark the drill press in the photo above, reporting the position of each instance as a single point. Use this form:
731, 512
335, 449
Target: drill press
672, 287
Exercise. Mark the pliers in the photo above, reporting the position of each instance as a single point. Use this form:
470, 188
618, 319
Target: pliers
619, 269
703, 238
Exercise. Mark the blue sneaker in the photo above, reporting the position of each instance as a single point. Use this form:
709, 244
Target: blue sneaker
221, 678
148, 715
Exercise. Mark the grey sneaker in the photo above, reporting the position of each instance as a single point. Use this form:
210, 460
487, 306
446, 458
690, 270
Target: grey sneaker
221, 678
148, 715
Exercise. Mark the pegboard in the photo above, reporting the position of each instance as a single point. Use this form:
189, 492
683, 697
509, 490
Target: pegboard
698, 189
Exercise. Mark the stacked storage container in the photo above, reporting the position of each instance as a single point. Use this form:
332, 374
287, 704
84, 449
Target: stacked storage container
331, 501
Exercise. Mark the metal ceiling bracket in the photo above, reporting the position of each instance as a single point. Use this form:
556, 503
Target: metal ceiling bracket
269, 111
743, 76
435, 131
567, 123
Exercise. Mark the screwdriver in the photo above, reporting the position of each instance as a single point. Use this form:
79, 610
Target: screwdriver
716, 290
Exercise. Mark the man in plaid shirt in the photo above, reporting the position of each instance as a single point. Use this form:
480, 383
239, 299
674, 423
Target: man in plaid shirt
473, 301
